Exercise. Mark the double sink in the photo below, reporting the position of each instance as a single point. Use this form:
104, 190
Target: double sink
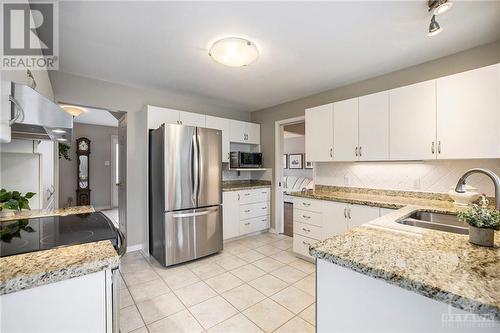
436, 221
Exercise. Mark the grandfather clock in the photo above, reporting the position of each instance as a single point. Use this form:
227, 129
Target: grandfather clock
83, 184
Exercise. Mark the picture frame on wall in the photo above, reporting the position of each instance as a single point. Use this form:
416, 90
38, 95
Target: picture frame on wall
309, 165
295, 161
285, 161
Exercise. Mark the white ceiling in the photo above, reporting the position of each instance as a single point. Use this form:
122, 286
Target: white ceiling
96, 117
306, 47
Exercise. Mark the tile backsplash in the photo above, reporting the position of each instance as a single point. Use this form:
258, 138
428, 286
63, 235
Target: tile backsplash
427, 176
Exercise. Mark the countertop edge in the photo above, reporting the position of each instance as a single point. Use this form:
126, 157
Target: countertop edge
248, 187
447, 297
40, 279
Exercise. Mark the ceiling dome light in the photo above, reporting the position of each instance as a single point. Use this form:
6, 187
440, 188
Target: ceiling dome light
439, 6
434, 27
234, 52
75, 111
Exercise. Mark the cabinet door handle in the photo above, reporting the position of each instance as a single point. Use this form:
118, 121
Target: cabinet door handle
439, 147
306, 217
356, 151
349, 212
345, 212
238, 196
263, 192
264, 220
264, 207
247, 211
306, 204
331, 152
433, 147
247, 194
306, 230
360, 152
248, 223
306, 243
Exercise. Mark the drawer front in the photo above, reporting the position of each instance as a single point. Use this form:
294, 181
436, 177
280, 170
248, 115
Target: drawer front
307, 217
301, 245
307, 230
307, 204
255, 224
255, 195
254, 210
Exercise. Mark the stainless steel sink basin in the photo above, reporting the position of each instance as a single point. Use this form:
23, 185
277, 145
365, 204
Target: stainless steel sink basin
436, 221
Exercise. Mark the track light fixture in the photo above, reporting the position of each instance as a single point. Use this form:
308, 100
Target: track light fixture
434, 27
438, 7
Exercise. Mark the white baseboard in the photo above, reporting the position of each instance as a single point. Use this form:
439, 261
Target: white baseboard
133, 248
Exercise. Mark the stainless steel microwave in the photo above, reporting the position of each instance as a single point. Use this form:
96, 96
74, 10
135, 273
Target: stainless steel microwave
241, 159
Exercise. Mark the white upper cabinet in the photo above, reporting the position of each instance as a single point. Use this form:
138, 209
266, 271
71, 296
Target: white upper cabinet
374, 127
319, 133
221, 124
253, 133
158, 116
413, 122
244, 132
468, 114
345, 130
191, 119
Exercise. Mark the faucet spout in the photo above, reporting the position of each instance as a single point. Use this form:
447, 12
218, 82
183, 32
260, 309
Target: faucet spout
460, 188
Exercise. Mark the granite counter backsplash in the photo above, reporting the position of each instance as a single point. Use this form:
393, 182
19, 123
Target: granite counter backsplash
237, 185
439, 265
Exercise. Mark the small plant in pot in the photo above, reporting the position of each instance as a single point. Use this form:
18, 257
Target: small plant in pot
482, 223
11, 201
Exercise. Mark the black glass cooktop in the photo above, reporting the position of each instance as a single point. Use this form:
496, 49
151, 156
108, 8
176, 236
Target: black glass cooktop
37, 234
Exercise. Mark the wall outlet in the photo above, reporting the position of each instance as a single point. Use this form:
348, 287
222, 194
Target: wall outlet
417, 184
347, 180
107, 163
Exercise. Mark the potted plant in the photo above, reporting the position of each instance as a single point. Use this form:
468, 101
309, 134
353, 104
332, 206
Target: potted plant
11, 201
482, 223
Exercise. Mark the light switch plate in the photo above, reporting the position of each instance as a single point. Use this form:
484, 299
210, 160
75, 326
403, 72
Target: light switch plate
347, 180
107, 163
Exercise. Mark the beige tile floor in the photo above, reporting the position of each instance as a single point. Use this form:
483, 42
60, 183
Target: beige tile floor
255, 285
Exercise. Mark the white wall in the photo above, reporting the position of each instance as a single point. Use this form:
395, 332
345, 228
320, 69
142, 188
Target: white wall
429, 176
296, 145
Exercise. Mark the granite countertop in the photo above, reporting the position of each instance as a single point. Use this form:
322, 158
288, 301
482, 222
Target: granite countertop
34, 213
29, 270
439, 265
237, 185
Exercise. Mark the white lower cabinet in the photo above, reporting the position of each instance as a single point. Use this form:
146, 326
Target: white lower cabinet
245, 211
80, 304
315, 220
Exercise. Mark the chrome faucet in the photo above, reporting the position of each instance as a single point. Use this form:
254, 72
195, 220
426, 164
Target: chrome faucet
460, 188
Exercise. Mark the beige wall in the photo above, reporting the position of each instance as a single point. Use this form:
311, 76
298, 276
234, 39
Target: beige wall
474, 58
85, 91
100, 175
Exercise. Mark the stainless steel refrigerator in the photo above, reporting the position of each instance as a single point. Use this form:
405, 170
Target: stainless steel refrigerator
185, 193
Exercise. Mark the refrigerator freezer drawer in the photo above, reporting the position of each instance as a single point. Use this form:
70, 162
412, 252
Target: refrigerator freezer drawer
191, 234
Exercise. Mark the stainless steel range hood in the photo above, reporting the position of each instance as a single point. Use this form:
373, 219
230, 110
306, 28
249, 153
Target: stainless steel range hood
35, 117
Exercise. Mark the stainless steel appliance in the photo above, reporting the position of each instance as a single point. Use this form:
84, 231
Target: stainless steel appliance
241, 159
35, 117
185, 193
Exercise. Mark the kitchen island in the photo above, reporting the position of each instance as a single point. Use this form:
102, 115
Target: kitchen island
384, 275
67, 288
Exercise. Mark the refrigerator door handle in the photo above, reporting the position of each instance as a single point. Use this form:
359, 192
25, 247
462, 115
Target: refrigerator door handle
198, 180
195, 168
178, 216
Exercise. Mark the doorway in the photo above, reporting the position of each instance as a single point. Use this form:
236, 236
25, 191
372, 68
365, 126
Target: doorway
290, 170
101, 128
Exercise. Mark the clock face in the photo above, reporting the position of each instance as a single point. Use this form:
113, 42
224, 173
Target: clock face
83, 145
83, 184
